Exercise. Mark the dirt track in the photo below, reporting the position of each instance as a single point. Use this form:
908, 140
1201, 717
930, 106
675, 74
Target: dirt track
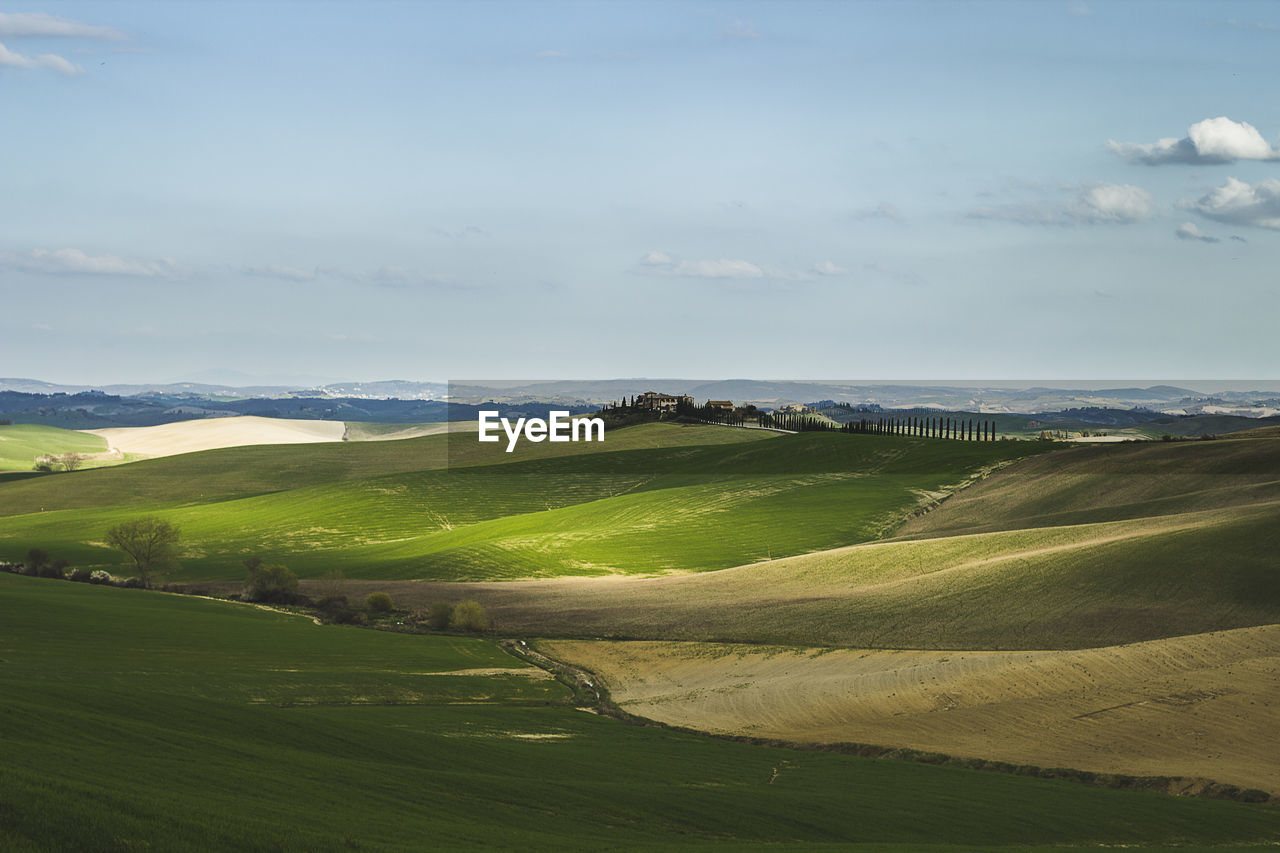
1205, 706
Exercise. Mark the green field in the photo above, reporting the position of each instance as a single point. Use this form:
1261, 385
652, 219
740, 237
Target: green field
144, 721
21, 444
652, 499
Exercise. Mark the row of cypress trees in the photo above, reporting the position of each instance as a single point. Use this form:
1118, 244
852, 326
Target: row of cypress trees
958, 429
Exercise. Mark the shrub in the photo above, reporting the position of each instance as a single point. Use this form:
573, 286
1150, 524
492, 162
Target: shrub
439, 615
99, 576
57, 571
270, 582
37, 559
337, 609
469, 616
131, 583
378, 602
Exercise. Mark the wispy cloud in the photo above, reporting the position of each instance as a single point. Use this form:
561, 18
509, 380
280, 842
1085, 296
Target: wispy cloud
398, 276
883, 210
20, 24
551, 54
1214, 140
77, 262
1250, 25
659, 263
1240, 203
1189, 231
52, 61
460, 233
1079, 10
896, 275
282, 272
740, 30
1093, 204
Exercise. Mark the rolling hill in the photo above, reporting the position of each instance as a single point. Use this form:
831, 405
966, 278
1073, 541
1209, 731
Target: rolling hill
21, 444
137, 720
1199, 707
651, 499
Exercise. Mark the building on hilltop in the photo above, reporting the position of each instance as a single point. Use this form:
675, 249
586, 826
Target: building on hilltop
662, 402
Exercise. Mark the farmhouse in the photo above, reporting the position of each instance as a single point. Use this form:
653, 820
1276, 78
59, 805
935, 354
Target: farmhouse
662, 402
721, 405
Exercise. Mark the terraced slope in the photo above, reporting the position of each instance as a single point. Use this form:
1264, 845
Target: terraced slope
1204, 706
640, 510
139, 720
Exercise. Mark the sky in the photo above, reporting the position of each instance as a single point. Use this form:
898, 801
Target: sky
296, 190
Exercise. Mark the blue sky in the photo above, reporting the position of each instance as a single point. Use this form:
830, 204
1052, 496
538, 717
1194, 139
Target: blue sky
432, 190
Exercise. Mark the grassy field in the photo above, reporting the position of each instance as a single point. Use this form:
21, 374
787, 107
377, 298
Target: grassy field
652, 499
1112, 482
1071, 587
1199, 707
139, 720
20, 444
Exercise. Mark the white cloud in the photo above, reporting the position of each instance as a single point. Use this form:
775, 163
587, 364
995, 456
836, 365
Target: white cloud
1080, 10
1241, 203
1094, 204
76, 262
721, 268
15, 24
1111, 203
52, 61
656, 259
551, 54
1214, 140
282, 272
660, 263
1189, 231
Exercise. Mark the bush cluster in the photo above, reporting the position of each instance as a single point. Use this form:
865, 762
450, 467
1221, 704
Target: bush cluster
467, 616
270, 583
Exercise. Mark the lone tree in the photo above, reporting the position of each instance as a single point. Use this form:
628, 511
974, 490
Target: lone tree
150, 542
71, 461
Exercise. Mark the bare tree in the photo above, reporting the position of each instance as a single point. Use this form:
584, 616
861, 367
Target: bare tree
150, 543
71, 460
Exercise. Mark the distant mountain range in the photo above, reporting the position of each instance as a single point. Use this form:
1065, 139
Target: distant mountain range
33, 400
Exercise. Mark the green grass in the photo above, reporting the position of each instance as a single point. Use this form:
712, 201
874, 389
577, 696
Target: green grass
634, 508
137, 721
1109, 482
242, 471
20, 444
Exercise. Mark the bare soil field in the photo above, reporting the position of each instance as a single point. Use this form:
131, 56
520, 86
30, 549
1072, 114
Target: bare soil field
1205, 706
213, 433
